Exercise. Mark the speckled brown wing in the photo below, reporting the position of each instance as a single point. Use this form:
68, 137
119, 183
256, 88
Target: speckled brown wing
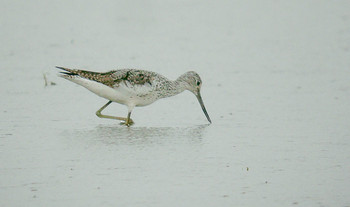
113, 78
104, 78
132, 76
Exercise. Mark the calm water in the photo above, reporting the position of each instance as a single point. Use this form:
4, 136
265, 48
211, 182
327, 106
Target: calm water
275, 85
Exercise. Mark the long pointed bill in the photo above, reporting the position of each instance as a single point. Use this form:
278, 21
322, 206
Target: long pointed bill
198, 95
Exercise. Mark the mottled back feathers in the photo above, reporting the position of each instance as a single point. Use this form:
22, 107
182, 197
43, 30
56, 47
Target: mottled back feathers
113, 78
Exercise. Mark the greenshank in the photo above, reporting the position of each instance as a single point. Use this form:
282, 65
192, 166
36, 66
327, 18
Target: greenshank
132, 87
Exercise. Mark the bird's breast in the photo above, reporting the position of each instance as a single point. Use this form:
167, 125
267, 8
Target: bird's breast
123, 93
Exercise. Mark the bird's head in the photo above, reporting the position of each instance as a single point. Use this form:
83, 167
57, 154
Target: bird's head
193, 83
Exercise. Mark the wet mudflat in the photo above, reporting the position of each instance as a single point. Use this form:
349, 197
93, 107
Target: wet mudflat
275, 84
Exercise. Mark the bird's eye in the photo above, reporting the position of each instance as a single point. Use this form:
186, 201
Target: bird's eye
198, 83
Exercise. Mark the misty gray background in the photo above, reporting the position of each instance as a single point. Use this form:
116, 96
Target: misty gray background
275, 83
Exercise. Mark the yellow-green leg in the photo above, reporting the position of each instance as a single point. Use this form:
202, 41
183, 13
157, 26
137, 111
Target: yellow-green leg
127, 121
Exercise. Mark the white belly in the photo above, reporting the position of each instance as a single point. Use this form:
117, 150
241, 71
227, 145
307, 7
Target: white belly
130, 96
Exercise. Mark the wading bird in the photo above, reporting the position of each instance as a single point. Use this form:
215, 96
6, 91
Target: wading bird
133, 87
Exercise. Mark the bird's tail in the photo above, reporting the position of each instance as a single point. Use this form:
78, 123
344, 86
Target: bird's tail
67, 71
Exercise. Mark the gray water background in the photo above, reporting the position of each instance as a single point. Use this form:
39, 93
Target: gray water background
275, 83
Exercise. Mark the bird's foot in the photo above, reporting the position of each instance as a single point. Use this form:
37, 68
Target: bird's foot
127, 122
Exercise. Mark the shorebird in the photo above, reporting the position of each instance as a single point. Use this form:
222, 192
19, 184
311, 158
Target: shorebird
132, 87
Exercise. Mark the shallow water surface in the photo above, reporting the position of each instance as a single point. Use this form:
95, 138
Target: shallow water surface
275, 84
